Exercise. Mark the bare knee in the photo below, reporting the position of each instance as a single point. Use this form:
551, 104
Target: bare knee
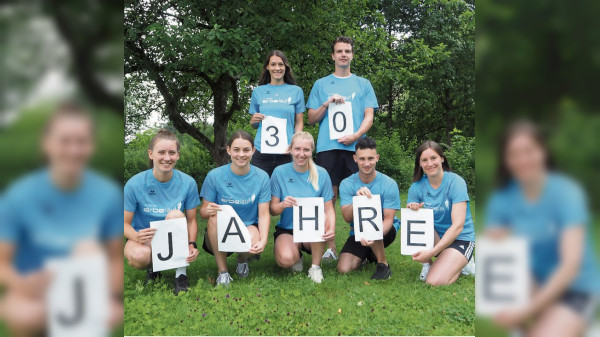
174, 214
286, 259
140, 257
437, 280
344, 268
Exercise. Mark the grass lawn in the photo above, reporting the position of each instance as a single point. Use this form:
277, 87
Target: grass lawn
274, 301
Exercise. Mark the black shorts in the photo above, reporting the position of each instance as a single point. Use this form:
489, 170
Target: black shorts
584, 304
205, 247
357, 249
268, 162
339, 164
464, 247
279, 231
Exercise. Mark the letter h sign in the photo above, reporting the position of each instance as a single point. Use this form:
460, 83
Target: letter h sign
309, 220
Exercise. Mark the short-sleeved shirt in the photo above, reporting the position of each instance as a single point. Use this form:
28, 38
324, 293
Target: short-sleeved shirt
354, 89
386, 187
561, 205
151, 200
452, 190
282, 101
286, 181
243, 193
43, 221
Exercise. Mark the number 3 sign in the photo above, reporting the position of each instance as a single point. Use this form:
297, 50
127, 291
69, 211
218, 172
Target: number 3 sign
273, 135
340, 120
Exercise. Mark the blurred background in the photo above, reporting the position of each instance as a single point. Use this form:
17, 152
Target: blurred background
52, 52
539, 60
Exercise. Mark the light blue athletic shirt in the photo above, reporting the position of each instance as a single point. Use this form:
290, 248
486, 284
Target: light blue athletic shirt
43, 221
354, 89
243, 193
282, 101
383, 185
151, 200
562, 205
286, 181
452, 190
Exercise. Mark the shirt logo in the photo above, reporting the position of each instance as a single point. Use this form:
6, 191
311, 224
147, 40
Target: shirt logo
447, 203
152, 192
268, 92
229, 184
290, 180
332, 82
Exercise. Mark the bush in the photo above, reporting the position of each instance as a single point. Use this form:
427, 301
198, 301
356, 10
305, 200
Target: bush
461, 156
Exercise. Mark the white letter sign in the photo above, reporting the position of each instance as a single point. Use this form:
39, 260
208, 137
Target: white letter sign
78, 296
232, 233
273, 137
309, 220
169, 244
416, 228
502, 280
368, 217
340, 120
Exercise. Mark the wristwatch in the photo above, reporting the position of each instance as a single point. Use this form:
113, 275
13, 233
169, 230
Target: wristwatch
194, 244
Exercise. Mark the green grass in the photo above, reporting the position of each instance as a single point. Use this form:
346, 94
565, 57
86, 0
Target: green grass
273, 301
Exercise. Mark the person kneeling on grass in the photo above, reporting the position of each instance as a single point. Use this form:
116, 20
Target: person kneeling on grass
368, 181
301, 178
158, 194
435, 187
244, 187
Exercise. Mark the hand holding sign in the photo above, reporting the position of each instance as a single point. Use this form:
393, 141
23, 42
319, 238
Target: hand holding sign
169, 244
309, 220
502, 281
232, 233
341, 122
368, 219
274, 137
416, 228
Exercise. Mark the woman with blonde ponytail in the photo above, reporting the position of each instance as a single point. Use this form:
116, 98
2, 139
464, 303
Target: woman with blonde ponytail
301, 178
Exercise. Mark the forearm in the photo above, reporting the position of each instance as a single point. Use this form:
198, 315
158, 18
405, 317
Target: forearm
192, 231
554, 287
446, 240
276, 208
129, 232
365, 125
347, 213
9, 277
316, 115
299, 125
263, 227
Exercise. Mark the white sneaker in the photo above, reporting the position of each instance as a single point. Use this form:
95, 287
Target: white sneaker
469, 269
316, 274
298, 266
424, 272
224, 279
329, 255
242, 269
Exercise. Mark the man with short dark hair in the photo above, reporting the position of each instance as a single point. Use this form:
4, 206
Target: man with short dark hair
368, 182
357, 94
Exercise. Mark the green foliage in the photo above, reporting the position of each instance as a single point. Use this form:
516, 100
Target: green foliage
461, 156
272, 301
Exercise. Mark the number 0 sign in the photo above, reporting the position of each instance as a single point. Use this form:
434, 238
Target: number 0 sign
340, 120
273, 137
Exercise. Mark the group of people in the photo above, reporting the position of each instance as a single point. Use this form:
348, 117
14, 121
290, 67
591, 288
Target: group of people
260, 185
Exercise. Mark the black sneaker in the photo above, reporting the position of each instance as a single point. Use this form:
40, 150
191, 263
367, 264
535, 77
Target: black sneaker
181, 284
383, 272
151, 276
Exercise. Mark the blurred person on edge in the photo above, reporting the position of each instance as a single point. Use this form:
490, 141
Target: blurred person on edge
550, 211
52, 212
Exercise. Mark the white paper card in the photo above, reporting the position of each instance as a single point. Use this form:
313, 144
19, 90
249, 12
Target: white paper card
273, 135
502, 280
341, 122
169, 244
416, 230
232, 233
367, 217
309, 220
78, 296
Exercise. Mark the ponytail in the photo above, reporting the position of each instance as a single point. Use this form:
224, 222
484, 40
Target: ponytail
313, 175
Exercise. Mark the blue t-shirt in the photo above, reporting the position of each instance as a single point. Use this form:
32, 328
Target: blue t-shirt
562, 205
354, 89
386, 187
43, 221
286, 181
243, 193
281, 101
151, 200
452, 190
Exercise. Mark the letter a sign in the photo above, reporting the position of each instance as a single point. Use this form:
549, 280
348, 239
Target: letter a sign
368, 218
232, 233
416, 228
309, 220
340, 120
169, 244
